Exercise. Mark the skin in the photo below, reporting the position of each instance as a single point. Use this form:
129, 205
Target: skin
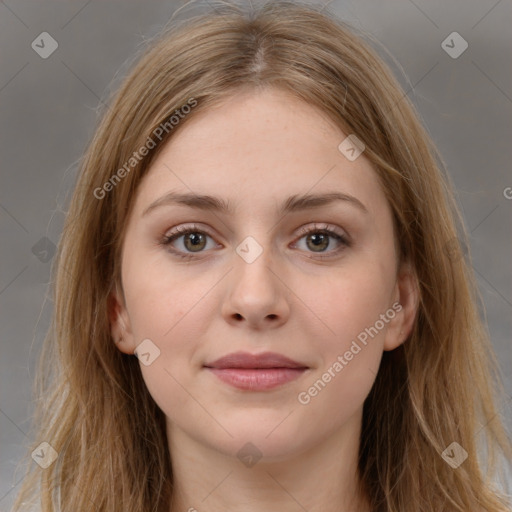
255, 151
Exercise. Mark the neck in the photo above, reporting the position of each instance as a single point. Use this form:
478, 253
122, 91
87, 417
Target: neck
322, 478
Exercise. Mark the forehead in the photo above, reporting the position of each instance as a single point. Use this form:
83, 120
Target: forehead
257, 147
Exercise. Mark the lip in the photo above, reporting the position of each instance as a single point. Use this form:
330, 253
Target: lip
254, 361
256, 372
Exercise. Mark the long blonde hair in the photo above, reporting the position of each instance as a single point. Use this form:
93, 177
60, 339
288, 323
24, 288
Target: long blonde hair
441, 386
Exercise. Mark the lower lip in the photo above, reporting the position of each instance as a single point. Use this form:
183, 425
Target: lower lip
257, 379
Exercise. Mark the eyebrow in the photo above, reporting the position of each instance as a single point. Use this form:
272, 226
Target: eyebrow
294, 203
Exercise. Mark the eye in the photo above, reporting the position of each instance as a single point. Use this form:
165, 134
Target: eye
318, 239
193, 240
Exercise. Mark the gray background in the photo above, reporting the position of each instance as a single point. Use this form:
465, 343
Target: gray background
48, 109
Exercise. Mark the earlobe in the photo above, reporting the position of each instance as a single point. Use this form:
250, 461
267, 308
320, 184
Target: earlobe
120, 328
407, 295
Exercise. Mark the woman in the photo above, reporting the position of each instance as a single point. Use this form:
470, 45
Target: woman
261, 303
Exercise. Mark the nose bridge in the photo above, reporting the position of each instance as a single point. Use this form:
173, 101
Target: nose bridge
254, 262
256, 293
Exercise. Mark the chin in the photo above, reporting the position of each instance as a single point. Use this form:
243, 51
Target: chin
264, 435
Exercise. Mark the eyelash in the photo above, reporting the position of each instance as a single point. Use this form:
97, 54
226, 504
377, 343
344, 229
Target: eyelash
304, 231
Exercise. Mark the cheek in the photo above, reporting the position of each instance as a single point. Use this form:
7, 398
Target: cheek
354, 309
168, 310
171, 314
333, 397
162, 301
348, 302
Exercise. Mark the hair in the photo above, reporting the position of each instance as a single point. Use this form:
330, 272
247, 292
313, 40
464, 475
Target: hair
441, 386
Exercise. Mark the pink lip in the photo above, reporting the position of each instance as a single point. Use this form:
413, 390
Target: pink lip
256, 372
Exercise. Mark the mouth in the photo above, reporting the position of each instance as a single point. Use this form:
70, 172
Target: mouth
256, 372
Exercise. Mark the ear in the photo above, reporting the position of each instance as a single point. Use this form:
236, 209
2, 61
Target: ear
405, 306
120, 327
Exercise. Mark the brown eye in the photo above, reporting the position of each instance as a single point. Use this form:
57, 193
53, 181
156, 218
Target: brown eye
322, 239
318, 241
186, 241
194, 241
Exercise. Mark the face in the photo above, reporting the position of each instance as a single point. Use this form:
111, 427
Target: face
276, 273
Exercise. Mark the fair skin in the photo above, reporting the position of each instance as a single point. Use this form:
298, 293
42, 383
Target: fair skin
253, 152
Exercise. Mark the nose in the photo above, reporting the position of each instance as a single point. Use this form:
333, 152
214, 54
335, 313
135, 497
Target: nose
257, 294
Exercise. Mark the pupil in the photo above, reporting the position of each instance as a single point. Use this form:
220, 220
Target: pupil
319, 240
194, 239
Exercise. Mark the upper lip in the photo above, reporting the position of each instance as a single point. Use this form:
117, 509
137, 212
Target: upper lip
247, 360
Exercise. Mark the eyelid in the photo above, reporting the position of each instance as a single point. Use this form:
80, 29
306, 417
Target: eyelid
184, 229
322, 226
303, 230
